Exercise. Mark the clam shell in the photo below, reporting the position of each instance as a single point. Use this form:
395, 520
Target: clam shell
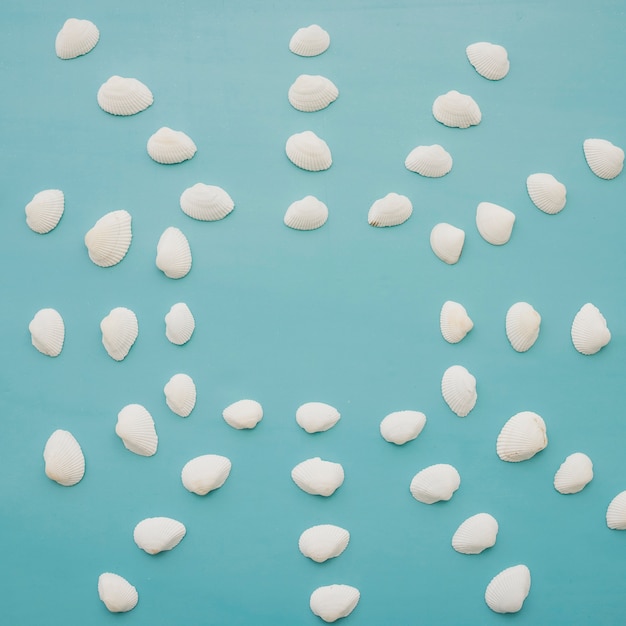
402, 426
522, 437
117, 593
317, 417
207, 203
392, 210
76, 37
124, 96
435, 483
169, 146
430, 161
311, 93
604, 159
546, 192
507, 590
457, 110
307, 151
205, 473
158, 534
589, 330
119, 332
63, 458
475, 534
575, 473
447, 242
45, 210
306, 214
47, 332
108, 241
323, 542
458, 388
454, 322
522, 326
173, 253
180, 394
489, 59
333, 602
494, 223
135, 427
318, 477
309, 41
616, 512
179, 324
243, 414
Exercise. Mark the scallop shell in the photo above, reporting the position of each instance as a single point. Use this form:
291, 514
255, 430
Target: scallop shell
333, 602
158, 534
124, 96
45, 210
402, 426
243, 414
180, 394
318, 477
309, 41
307, 151
135, 427
604, 159
507, 590
64, 459
522, 437
575, 473
522, 326
206, 203
392, 210
169, 146
119, 332
589, 330
456, 110
205, 473
306, 214
108, 241
430, 161
179, 324
447, 242
317, 417
616, 512
323, 542
546, 192
117, 593
76, 37
435, 483
312, 93
47, 332
494, 223
458, 388
173, 253
475, 534
489, 59
454, 322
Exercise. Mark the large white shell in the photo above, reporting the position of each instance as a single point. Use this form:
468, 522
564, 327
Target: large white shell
604, 159
522, 437
179, 324
306, 214
589, 330
435, 483
207, 203
135, 427
45, 210
317, 417
323, 542
494, 223
616, 512
158, 534
311, 93
308, 151
243, 414
124, 96
309, 41
507, 590
108, 241
402, 426
333, 602
205, 473
522, 326
430, 161
392, 210
173, 253
119, 332
318, 477
117, 593
546, 192
64, 459
169, 146
489, 59
47, 332
454, 322
76, 37
447, 242
575, 473
457, 110
475, 534
458, 388
180, 394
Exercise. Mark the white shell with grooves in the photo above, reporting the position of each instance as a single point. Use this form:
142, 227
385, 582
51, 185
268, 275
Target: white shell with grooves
402, 426
616, 512
435, 483
207, 203
308, 152
76, 37
318, 477
180, 394
179, 324
589, 330
392, 210
124, 96
494, 223
45, 210
323, 542
475, 534
205, 473
109, 239
243, 414
169, 146
458, 388
306, 214
47, 332
522, 326
118, 595
63, 458
604, 159
135, 427
173, 253
490, 60
430, 161
333, 602
546, 192
317, 417
507, 590
310, 93
522, 437
119, 332
454, 322
457, 110
447, 242
158, 534
575, 473
309, 41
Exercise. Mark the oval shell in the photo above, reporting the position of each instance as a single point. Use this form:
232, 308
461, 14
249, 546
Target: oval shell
180, 394
522, 437
311, 93
309, 41
308, 152
306, 214
616, 512
435, 483
430, 161
392, 210
173, 253
507, 590
243, 414
589, 330
124, 96
64, 459
109, 239
205, 473
323, 542
169, 146
119, 332
402, 426
333, 602
575, 473
45, 210
457, 110
447, 242
490, 60
317, 417
179, 324
47, 332
522, 326
158, 534
318, 477
118, 595
604, 159
494, 223
135, 427
475, 534
207, 203
76, 37
454, 322
458, 388
546, 192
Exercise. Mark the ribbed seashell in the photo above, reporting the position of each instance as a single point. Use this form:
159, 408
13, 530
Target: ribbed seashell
308, 152
522, 437
447, 242
207, 203
311, 93
323, 542
402, 426
169, 146
475, 534
454, 322
76, 37
435, 483
575, 473
458, 388
45, 210
180, 394
309, 41
173, 253
317, 417
64, 459
243, 414
430, 161
158, 534
392, 210
135, 427
306, 214
507, 590
522, 326
494, 223
616, 512
318, 477
457, 110
333, 602
205, 473
119, 332
604, 159
489, 59
546, 192
589, 330
108, 241
47, 332
118, 595
124, 96
179, 324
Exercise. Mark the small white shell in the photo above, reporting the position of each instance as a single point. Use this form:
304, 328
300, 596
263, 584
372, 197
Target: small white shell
180, 394
117, 593
108, 241
318, 477
589, 330
309, 41
456, 110
575, 473
135, 427
494, 223
205, 473
64, 459
307, 151
546, 192
333, 602
317, 417
489, 59
179, 324
76, 37
243, 414
402, 426
45, 210
616, 512
522, 326
173, 253
435, 483
454, 322
158, 534
604, 159
522, 437
312, 93
430, 161
124, 96
507, 590
323, 542
207, 203
306, 214
475, 534
458, 388
447, 242
391, 210
47, 332
169, 146
119, 332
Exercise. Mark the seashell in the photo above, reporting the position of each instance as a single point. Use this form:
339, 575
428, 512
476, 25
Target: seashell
180, 394
507, 591
589, 330
169, 146
207, 203
76, 37
494, 223
135, 427
458, 388
312, 93
546, 192
522, 437
333, 602
575, 473
309, 41
119, 332
456, 110
522, 326
402, 426
489, 59
317, 417
173, 253
205, 473
47, 332
318, 477
392, 210
45, 210
430, 161
243, 414
179, 324
306, 214
158, 534
604, 159
454, 322
118, 595
64, 459
435, 483
616, 512
108, 241
307, 151
447, 242
475, 534
323, 542
124, 96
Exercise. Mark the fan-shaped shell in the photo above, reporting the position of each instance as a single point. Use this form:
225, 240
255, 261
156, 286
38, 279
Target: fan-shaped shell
430, 161
458, 388
108, 241
402, 426
63, 458
47, 332
475, 534
575, 473
604, 159
124, 96
180, 394
489, 59
392, 210
311, 93
307, 151
179, 324
454, 321
205, 473
317, 417
135, 427
243, 414
507, 590
435, 483
118, 595
522, 326
589, 330
169, 146
447, 242
494, 223
45, 210
309, 41
318, 477
158, 534
323, 542
207, 203
546, 192
457, 110
306, 214
333, 602
173, 253
616, 512
119, 332
76, 37
522, 437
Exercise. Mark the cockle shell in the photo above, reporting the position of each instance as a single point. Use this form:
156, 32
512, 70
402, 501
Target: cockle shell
307, 151
169, 146
158, 534
454, 321
494, 223
179, 324
180, 394
522, 326
323, 542
206, 203
47, 332
435, 483
306, 214
546, 192
604, 159
243, 414
458, 388
391, 210
119, 332
108, 241
309, 41
124, 96
118, 595
489, 59
76, 37
456, 110
317, 417
475, 534
589, 330
507, 590
575, 473
616, 512
447, 242
311, 93
402, 426
430, 161
522, 437
318, 477
205, 473
45, 210
333, 602
64, 459
173, 253
135, 427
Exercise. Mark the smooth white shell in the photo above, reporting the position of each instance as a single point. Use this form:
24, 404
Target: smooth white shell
392, 210
522, 326
402, 426
45, 210
333, 602
119, 332
243, 414
456, 110
311, 93
135, 427
306, 214
173, 253
124, 96
63, 458
108, 241
47, 332
76, 37
546, 192
169, 146
454, 322
117, 593
317, 417
179, 324
205, 473
158, 534
507, 590
447, 242
494, 223
575, 473
490, 60
589, 330
458, 388
435, 483
604, 159
180, 394
430, 161
318, 477
307, 151
323, 542
475, 534
309, 41
207, 203
522, 437
616, 512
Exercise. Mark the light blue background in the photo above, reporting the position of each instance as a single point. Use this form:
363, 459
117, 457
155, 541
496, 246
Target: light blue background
346, 315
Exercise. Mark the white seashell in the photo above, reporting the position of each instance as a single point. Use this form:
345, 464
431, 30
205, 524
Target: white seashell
308, 152
158, 534
180, 394
205, 473
575, 473
458, 388
604, 159
435, 483
119, 332
173, 253
507, 591
108, 241
169, 146
312, 93
179, 324
522, 326
309, 41
135, 427
47, 332
589, 330
318, 477
323, 542
430, 161
546, 192
402, 426
447, 242
454, 322
243, 414
333, 602
117, 593
207, 203
317, 417
76, 37
456, 110
616, 512
306, 214
494, 223
124, 96
489, 59
391, 210
45, 210
64, 459
522, 437
475, 534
